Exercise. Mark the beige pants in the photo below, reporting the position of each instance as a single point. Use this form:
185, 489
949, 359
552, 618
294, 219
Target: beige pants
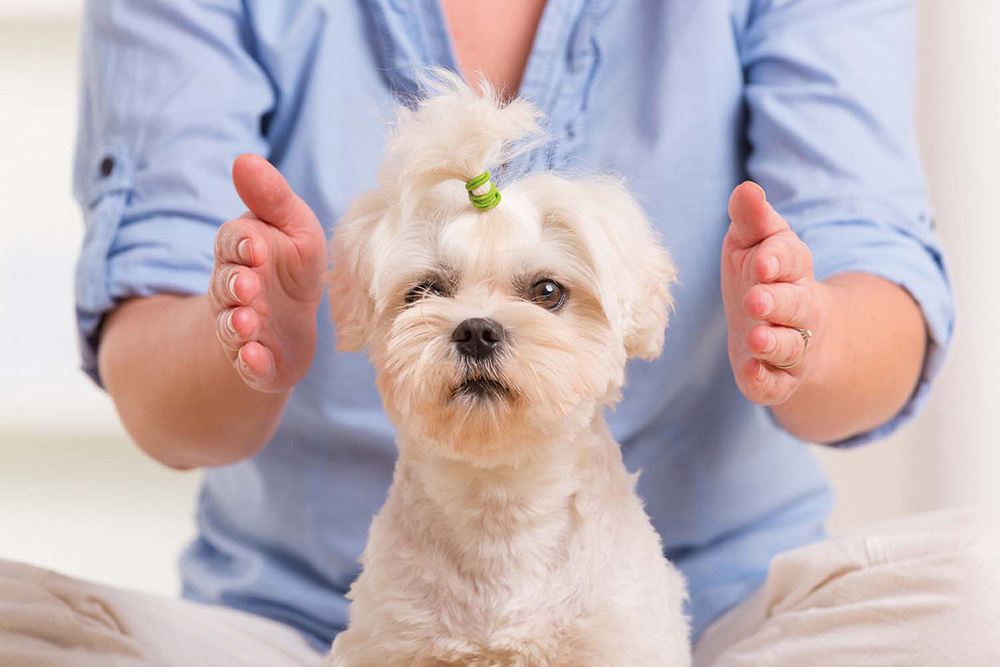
920, 592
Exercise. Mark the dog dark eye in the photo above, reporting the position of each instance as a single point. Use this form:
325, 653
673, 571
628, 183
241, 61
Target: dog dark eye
548, 294
423, 290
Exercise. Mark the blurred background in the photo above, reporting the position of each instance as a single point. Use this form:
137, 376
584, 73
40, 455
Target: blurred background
76, 496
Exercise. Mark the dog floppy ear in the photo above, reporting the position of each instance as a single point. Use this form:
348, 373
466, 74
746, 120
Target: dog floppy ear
349, 280
633, 268
650, 311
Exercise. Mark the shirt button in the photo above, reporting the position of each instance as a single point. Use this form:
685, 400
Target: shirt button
107, 166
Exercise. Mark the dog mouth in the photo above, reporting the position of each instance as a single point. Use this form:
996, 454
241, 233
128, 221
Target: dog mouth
482, 388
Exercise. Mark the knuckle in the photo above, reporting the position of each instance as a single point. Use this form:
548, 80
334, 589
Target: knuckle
224, 329
770, 392
760, 260
229, 284
213, 287
804, 309
219, 279
781, 394
224, 284
785, 248
224, 242
229, 236
803, 258
793, 349
751, 298
775, 391
736, 262
773, 244
220, 239
799, 309
756, 265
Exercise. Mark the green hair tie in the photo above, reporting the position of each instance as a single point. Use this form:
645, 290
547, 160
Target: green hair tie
485, 200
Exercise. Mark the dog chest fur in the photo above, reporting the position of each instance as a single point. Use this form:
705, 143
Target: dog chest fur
515, 568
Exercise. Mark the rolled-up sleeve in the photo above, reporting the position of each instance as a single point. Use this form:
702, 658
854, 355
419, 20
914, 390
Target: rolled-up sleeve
170, 95
829, 93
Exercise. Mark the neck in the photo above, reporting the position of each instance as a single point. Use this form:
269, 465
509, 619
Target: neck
501, 511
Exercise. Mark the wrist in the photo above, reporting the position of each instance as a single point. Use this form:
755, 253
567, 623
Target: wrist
821, 363
176, 393
821, 350
871, 340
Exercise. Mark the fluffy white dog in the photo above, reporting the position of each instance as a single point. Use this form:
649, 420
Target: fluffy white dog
512, 535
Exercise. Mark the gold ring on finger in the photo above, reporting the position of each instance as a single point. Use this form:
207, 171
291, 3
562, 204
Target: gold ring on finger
806, 336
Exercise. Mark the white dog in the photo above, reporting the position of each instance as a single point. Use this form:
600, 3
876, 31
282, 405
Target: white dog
512, 535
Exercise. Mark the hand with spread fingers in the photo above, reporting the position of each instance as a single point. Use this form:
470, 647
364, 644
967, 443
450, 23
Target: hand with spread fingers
267, 281
774, 305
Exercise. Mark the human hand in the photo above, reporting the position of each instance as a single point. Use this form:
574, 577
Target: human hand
267, 281
769, 292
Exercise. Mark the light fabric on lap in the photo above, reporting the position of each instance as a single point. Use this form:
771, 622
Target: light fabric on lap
917, 592
49, 620
923, 591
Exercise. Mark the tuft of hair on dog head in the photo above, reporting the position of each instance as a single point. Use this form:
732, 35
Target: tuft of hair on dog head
455, 133
494, 334
452, 134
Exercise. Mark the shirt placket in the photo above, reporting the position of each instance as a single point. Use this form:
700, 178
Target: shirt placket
558, 78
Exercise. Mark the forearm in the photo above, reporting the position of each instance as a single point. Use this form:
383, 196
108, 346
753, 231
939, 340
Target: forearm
865, 359
177, 394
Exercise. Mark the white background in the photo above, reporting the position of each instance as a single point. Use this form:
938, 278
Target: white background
77, 496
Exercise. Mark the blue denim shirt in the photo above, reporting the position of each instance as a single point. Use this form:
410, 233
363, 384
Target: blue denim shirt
684, 98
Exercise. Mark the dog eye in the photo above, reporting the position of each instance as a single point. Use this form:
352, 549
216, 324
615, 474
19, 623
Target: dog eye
548, 294
423, 290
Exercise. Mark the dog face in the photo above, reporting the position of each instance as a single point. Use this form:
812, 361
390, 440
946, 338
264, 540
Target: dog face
496, 333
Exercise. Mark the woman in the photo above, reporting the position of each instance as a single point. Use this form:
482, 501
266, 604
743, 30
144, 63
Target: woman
832, 301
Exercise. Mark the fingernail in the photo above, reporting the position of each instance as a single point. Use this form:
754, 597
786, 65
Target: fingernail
768, 300
241, 360
245, 251
772, 267
760, 371
229, 322
232, 285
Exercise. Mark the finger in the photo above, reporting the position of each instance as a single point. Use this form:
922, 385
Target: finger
780, 258
765, 385
267, 194
239, 242
236, 327
753, 219
786, 304
233, 285
255, 364
777, 346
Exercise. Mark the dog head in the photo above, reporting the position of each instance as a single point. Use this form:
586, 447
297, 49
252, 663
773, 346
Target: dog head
493, 333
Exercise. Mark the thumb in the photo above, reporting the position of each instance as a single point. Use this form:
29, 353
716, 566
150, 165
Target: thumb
267, 194
753, 218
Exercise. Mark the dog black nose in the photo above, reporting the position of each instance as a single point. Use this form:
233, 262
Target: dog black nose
478, 338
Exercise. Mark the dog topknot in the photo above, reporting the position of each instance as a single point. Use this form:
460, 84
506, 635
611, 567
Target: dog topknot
455, 132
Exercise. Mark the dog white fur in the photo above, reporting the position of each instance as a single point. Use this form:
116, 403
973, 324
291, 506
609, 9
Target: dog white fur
512, 535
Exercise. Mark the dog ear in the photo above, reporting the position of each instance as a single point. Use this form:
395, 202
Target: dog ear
349, 280
633, 268
650, 310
